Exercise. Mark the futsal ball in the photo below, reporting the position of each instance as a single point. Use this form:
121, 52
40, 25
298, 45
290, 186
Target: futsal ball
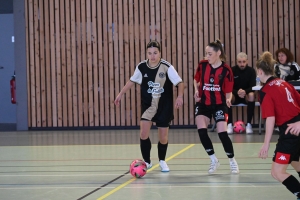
239, 127
138, 168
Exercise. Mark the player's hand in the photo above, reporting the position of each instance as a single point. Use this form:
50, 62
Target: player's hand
263, 153
241, 93
178, 102
293, 128
196, 96
118, 99
228, 102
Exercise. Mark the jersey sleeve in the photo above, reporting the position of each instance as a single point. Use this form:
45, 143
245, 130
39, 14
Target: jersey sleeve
297, 69
137, 76
173, 76
197, 76
228, 81
267, 107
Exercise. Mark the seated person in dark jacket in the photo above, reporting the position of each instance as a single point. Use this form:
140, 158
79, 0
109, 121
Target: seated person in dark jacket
244, 80
286, 68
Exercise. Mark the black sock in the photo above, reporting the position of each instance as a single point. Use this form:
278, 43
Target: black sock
293, 185
227, 144
145, 149
250, 111
206, 142
162, 150
229, 116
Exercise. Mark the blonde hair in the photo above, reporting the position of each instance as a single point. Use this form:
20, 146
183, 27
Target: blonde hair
266, 63
242, 55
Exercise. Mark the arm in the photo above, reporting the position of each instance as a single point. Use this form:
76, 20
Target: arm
293, 128
270, 122
228, 99
128, 85
179, 99
252, 81
196, 95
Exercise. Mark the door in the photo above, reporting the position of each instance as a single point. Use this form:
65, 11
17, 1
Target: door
7, 68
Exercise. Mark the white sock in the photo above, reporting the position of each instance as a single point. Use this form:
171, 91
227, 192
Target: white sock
232, 159
213, 157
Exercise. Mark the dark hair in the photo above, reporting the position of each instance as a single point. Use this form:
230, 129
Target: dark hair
153, 44
266, 63
287, 52
217, 45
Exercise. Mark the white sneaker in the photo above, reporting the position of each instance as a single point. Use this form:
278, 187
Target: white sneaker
149, 165
249, 129
234, 166
213, 166
163, 166
229, 128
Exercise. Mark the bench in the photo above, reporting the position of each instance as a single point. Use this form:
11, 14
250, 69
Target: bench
241, 104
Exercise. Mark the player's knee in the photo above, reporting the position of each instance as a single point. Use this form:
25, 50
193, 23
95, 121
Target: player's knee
223, 135
275, 174
144, 135
251, 97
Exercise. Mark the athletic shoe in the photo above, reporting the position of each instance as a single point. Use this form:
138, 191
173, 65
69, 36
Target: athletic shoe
249, 129
234, 166
163, 166
149, 165
214, 164
229, 128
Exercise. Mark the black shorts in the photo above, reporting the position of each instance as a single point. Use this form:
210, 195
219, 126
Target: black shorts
288, 146
218, 112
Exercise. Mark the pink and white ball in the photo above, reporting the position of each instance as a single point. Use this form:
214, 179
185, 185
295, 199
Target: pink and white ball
239, 126
138, 168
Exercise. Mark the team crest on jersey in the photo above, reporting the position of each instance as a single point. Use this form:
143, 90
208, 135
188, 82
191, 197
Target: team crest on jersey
211, 80
292, 72
162, 75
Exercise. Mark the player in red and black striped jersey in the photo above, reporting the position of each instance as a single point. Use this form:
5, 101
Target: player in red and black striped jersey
213, 84
156, 78
280, 105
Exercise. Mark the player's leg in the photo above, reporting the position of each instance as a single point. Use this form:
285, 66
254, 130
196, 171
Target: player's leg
289, 181
296, 166
220, 118
162, 146
229, 122
145, 143
250, 111
203, 116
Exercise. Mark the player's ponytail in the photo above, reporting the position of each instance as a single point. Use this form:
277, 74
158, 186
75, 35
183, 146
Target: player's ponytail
218, 46
266, 63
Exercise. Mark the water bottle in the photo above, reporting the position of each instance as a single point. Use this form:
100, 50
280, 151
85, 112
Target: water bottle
257, 81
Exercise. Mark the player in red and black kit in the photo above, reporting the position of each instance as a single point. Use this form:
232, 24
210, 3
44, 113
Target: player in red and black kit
213, 84
280, 105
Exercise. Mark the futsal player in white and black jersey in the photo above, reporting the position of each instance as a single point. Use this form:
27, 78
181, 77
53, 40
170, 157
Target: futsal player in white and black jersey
156, 78
280, 105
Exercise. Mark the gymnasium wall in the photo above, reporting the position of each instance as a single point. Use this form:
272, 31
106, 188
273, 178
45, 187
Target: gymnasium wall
80, 53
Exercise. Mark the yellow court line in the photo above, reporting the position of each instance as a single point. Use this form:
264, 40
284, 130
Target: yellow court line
133, 179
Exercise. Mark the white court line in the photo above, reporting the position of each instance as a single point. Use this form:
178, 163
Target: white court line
68, 175
207, 186
42, 188
149, 187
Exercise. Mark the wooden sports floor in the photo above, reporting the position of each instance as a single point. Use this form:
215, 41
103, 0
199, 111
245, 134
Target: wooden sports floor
93, 165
